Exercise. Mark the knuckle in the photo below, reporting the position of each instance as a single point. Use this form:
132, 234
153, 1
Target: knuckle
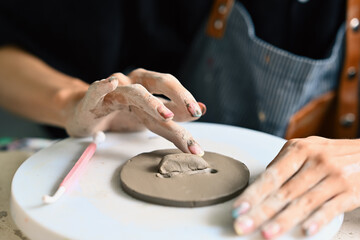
137, 87
284, 194
137, 73
94, 84
167, 77
94, 89
117, 75
322, 158
140, 70
307, 201
132, 93
324, 161
314, 138
340, 177
294, 143
302, 144
121, 78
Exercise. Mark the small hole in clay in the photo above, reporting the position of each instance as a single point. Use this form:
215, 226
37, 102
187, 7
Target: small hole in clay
213, 171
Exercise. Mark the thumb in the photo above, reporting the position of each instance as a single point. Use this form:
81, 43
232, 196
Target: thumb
98, 89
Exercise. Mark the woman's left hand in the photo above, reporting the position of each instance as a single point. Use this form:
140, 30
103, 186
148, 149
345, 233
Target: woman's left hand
311, 181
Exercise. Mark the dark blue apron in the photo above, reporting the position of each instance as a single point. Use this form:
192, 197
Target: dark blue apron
248, 82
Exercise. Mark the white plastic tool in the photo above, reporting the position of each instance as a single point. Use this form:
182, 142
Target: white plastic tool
77, 169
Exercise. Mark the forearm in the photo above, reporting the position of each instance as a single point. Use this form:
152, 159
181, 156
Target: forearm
31, 88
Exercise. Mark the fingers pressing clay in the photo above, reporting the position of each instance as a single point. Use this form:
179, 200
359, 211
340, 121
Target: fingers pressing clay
122, 103
194, 147
172, 132
182, 103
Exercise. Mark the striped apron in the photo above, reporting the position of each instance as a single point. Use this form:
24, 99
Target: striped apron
247, 82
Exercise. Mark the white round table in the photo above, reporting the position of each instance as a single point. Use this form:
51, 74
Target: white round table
97, 208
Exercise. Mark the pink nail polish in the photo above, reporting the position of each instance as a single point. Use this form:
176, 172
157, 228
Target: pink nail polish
195, 148
270, 230
243, 208
194, 109
203, 108
243, 225
311, 230
165, 112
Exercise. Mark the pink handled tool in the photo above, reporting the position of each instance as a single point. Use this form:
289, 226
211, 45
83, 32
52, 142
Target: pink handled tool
76, 171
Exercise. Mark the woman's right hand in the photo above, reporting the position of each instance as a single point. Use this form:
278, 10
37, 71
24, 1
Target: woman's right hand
126, 103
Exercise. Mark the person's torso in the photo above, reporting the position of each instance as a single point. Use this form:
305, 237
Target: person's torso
91, 39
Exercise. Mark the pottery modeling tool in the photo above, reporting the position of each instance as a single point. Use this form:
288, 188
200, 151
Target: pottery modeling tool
76, 170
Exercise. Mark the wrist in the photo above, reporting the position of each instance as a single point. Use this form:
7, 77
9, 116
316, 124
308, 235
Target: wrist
66, 100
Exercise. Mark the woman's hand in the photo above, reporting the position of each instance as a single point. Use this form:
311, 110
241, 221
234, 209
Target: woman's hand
311, 181
35, 90
127, 103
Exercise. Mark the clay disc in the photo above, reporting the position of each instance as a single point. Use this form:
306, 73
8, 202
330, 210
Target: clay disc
138, 179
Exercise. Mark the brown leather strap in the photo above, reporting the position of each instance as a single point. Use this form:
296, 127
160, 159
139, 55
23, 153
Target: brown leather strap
310, 120
218, 17
347, 109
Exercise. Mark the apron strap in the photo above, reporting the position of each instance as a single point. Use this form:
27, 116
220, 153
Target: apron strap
218, 16
346, 115
347, 108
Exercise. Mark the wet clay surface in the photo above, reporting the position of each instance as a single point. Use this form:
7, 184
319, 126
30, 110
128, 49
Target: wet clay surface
226, 180
182, 163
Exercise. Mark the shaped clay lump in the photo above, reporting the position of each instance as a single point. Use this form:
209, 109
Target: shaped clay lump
182, 163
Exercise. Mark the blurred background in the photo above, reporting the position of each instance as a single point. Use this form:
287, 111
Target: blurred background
17, 127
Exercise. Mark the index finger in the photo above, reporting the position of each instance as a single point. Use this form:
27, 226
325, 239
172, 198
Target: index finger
172, 131
182, 103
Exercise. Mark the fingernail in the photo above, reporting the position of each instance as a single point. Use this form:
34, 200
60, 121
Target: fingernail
111, 78
311, 230
165, 112
194, 109
195, 148
270, 230
243, 225
243, 208
203, 108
